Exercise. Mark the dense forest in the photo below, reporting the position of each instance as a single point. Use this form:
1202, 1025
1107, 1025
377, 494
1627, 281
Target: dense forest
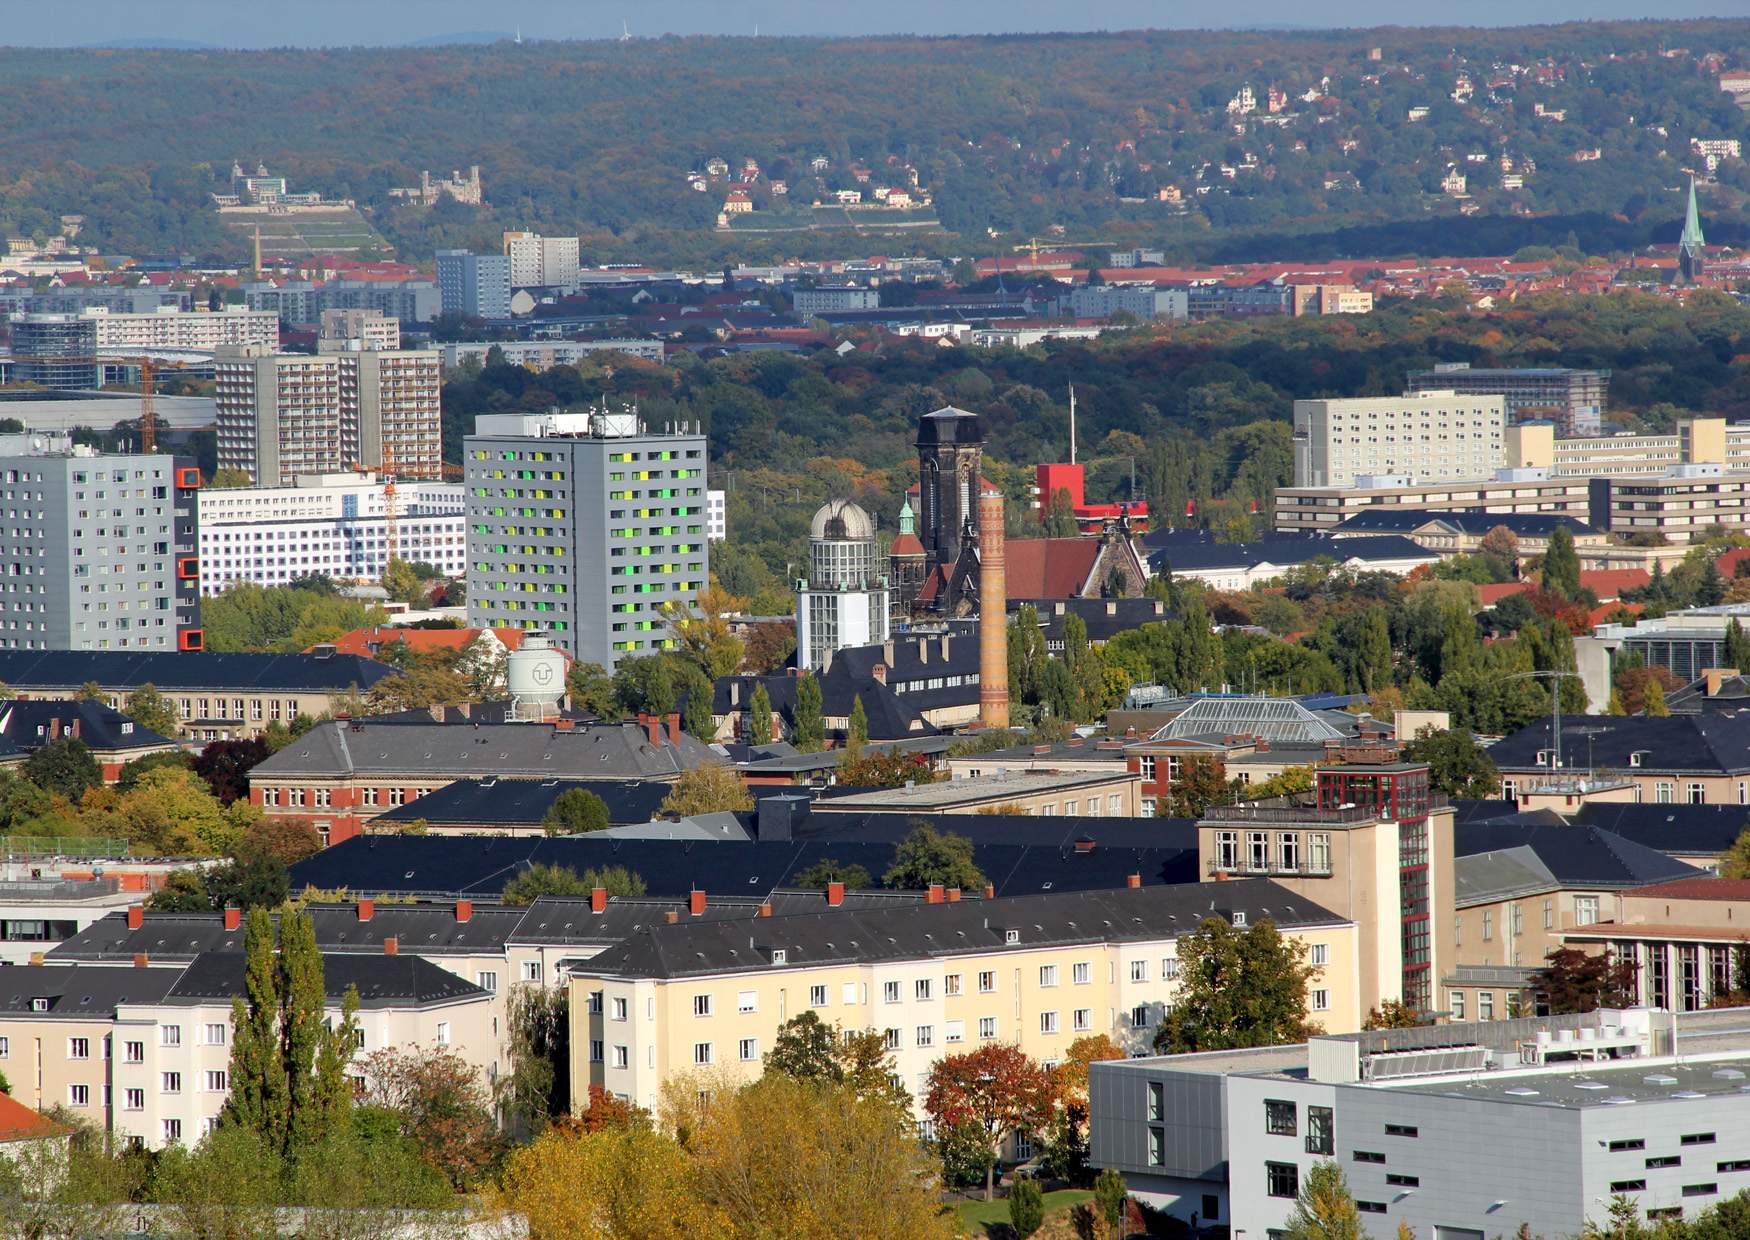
1200, 412
1013, 134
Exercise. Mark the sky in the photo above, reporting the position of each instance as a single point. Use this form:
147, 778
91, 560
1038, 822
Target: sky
257, 23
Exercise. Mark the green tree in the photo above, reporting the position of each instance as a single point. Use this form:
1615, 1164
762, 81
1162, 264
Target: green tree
574, 812
1735, 861
1373, 652
926, 857
1392, 1014
1655, 707
561, 880
1457, 765
759, 716
807, 729
966, 1154
91, 691
806, 1048
403, 584
1059, 518
645, 685
1202, 782
857, 729
1111, 1197
592, 689
696, 716
1710, 590
708, 789
1237, 988
1737, 648
1561, 565
1026, 1206
539, 1085
1326, 1209
827, 870
64, 768
152, 710
260, 1099
1026, 655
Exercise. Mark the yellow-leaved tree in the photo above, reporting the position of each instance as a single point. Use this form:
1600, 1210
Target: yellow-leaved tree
628, 1183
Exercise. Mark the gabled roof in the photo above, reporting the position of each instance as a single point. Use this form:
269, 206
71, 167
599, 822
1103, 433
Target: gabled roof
1282, 550
80, 990
934, 930
1675, 829
32, 722
1681, 744
890, 717
383, 981
343, 748
19, 1123
1049, 568
1572, 855
175, 671
1408, 520
1697, 888
524, 802
367, 642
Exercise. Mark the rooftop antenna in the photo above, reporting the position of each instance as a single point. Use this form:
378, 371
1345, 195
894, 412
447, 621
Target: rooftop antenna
1072, 423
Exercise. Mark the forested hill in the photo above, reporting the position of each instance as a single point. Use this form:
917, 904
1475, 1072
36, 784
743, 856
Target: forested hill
1013, 134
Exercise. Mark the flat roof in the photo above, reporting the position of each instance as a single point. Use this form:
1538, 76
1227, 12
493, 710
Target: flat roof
996, 787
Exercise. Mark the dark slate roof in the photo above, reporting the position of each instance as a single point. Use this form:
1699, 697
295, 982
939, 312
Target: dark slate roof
178, 672
949, 425
1571, 855
890, 717
1105, 617
480, 866
340, 748
80, 990
562, 920
30, 722
1689, 830
1404, 520
382, 980
1693, 698
1478, 811
914, 658
932, 930
1680, 744
524, 802
1281, 549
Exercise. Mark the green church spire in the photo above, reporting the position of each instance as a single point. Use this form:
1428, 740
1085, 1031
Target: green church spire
1692, 238
907, 522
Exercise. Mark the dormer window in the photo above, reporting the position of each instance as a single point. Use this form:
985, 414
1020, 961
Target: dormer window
780, 956
1239, 919
1011, 936
39, 1005
1546, 757
1634, 759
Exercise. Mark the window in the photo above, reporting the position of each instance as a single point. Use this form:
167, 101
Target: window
702, 1053
987, 983
1368, 1156
1488, 925
1157, 1147
170, 1082
1139, 1016
170, 1035
218, 1081
987, 1027
1281, 1119
925, 1035
1080, 974
748, 1049
1737, 1164
1401, 1130
1169, 968
1697, 1138
133, 1099
1282, 1179
1139, 970
951, 984
79, 1095
955, 1031
1485, 1005
78, 1048
1629, 1143
172, 1131
619, 1009
890, 992
891, 1039
747, 1001
133, 1052
817, 996
1370, 1207
215, 1034
921, 988
1700, 1190
1157, 1100
1628, 1186
531, 970
597, 1050
1321, 954
1664, 1160
1082, 1020
443, 1033
1048, 975
1457, 1004
1321, 1130
701, 1005
1403, 1181
622, 1057
1048, 1022
1585, 910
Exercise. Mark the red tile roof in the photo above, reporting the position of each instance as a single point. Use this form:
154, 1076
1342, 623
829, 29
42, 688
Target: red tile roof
1607, 583
1050, 567
367, 642
906, 544
19, 1123
1697, 889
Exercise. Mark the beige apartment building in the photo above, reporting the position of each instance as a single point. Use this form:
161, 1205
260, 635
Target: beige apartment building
1322, 507
1684, 938
938, 979
1374, 845
195, 331
1434, 436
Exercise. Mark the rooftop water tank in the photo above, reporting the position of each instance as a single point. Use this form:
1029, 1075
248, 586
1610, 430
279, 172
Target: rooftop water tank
535, 675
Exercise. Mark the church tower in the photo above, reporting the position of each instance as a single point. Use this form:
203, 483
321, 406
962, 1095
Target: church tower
950, 447
1690, 259
905, 566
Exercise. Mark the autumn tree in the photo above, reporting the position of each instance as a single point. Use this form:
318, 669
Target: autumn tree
857, 727
702, 627
576, 811
927, 857
1392, 1014
152, 710
1736, 652
707, 789
884, 768
1735, 861
627, 1183
1654, 707
225, 765
1575, 980
998, 1087
443, 1107
1202, 782
1326, 1208
759, 716
1238, 987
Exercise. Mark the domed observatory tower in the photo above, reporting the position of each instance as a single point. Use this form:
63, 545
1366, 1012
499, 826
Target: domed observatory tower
843, 600
535, 675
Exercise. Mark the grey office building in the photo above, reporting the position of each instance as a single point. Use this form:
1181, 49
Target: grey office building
476, 286
584, 524
1461, 1131
98, 552
1573, 399
54, 350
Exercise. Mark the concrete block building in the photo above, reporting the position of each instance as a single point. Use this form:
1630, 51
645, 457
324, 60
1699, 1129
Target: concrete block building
476, 286
585, 524
1432, 436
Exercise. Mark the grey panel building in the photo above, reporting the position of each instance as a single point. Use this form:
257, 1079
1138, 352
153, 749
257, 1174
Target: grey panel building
584, 524
1573, 399
54, 350
474, 285
1461, 1131
99, 552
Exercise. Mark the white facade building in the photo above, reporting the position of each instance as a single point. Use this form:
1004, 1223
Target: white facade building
544, 354
541, 262
716, 516
843, 601
171, 328
832, 298
1431, 436
333, 524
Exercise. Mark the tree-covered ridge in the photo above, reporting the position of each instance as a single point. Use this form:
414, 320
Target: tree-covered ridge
1011, 133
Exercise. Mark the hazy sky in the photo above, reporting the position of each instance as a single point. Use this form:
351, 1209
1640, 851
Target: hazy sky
257, 23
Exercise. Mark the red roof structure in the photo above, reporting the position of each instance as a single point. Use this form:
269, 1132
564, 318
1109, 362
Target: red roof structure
1697, 889
368, 642
1050, 567
19, 1123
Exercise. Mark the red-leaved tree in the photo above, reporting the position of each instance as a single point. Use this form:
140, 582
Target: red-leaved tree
998, 1087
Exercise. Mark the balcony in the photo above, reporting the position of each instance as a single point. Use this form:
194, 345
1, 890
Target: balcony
1271, 869
1274, 810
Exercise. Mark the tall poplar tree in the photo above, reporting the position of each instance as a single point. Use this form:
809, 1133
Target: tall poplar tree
807, 729
258, 1098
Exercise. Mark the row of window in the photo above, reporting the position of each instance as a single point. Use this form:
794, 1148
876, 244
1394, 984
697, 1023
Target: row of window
134, 1099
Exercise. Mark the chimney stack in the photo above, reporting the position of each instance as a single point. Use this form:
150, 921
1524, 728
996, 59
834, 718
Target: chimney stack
75, 728
233, 917
766, 909
1133, 880
367, 909
696, 902
671, 916
464, 910
937, 894
141, 960
673, 719
953, 895
835, 894
598, 899
993, 611
391, 946
136, 916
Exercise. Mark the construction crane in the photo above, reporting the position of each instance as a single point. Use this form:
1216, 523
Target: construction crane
148, 388
1032, 245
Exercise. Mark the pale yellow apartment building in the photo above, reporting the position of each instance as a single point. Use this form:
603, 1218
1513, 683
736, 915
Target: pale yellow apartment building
1038, 971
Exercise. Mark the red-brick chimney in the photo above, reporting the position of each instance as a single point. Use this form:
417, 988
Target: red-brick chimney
953, 895
136, 916
671, 916
74, 729
835, 894
464, 910
598, 899
233, 917
1133, 880
766, 909
367, 909
937, 894
879, 672
652, 725
391, 946
141, 960
564, 725
1221, 876
990, 891
54, 727
673, 719
696, 902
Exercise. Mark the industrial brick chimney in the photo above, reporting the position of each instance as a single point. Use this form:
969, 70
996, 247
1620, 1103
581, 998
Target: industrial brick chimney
993, 611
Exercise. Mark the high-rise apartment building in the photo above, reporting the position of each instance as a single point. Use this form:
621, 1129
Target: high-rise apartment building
1428, 436
476, 286
99, 550
170, 328
284, 414
374, 328
542, 262
585, 524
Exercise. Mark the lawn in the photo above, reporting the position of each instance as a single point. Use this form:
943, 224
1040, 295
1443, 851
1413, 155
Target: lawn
975, 1214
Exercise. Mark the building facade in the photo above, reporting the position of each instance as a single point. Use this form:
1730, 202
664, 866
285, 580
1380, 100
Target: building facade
332, 524
475, 286
585, 524
280, 415
1572, 399
54, 350
104, 556
541, 262
1432, 436
545, 354
304, 302
198, 331
843, 600
835, 297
